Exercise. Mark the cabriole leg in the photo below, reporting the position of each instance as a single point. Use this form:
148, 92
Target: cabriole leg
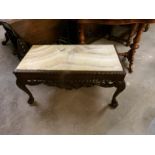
22, 86
120, 85
6, 39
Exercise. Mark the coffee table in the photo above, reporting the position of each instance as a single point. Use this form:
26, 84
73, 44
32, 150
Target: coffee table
71, 66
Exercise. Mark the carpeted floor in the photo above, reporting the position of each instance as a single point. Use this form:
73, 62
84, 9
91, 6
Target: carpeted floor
82, 111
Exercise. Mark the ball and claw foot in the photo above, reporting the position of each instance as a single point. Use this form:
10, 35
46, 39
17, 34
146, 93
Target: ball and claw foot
4, 43
130, 69
6, 39
113, 104
30, 101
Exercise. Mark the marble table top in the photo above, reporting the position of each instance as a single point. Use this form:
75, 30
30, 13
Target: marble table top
71, 57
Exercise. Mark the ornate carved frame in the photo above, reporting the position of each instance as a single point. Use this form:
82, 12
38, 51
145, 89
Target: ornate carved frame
71, 80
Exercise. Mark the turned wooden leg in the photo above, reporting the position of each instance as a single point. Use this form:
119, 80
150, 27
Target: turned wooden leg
132, 33
82, 35
147, 27
120, 85
6, 39
109, 32
135, 45
22, 86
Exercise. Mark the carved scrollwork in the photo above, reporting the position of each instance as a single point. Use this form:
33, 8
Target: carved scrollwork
73, 84
34, 82
22, 48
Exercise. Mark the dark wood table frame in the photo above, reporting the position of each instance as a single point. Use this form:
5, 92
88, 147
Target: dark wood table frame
71, 80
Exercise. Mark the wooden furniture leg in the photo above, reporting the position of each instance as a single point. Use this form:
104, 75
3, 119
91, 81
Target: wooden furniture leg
135, 45
6, 39
132, 33
82, 35
147, 27
120, 85
122, 38
22, 86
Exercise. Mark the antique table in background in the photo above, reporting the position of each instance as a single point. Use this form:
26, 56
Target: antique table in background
71, 66
47, 31
139, 23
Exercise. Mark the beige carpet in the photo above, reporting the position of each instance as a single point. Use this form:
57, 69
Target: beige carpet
82, 111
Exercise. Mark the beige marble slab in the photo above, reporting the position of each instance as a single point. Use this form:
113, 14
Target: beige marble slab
71, 57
